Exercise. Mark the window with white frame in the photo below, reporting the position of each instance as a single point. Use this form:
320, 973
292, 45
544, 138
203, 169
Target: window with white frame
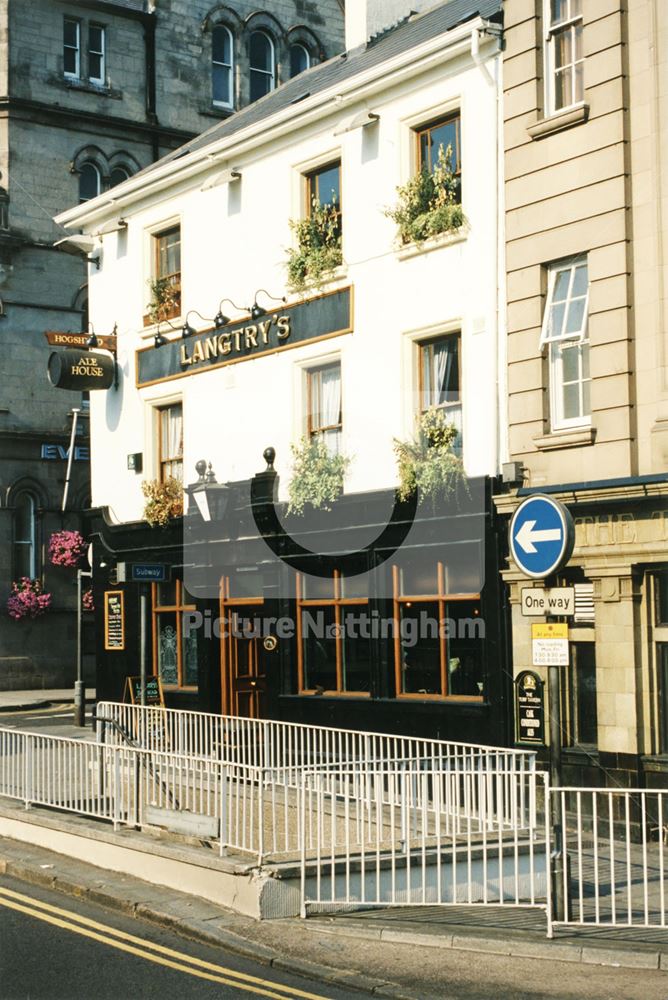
25, 535
222, 67
566, 338
564, 54
72, 47
96, 54
440, 379
170, 442
262, 65
90, 182
300, 59
325, 413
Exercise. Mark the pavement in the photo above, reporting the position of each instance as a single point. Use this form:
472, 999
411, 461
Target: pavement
339, 949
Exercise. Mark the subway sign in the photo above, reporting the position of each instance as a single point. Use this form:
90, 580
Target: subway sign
320, 318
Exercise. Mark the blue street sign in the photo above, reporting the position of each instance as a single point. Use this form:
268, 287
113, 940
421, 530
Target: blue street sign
542, 536
143, 572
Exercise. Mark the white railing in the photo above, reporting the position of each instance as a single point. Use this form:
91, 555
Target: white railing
615, 856
270, 744
400, 837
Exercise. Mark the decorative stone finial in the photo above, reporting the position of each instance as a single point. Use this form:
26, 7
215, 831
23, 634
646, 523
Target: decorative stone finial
200, 469
269, 455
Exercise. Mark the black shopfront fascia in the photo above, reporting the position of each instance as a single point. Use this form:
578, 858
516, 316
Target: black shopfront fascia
240, 549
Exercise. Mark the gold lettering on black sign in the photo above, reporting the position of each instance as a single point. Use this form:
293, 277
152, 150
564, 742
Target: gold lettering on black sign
245, 339
87, 365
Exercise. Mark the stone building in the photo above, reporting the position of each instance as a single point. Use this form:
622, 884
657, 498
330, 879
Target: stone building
92, 92
586, 164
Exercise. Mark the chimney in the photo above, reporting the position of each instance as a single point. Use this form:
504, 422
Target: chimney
365, 18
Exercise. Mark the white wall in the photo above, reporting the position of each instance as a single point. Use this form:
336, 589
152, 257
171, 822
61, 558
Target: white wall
234, 241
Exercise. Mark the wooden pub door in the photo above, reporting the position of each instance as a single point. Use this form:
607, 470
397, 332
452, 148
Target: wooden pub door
243, 663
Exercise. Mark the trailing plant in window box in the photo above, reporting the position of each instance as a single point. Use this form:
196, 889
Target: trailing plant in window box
165, 302
164, 501
428, 204
66, 548
429, 463
27, 600
318, 251
317, 476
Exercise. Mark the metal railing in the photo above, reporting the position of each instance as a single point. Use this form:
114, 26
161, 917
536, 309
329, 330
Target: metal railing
615, 856
270, 744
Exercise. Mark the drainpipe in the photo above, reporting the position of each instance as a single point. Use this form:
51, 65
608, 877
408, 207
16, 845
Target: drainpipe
149, 47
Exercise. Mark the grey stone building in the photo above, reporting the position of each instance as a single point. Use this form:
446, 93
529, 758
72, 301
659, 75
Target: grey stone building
90, 92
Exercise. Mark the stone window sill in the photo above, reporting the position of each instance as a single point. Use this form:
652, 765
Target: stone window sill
435, 243
574, 438
102, 90
560, 121
211, 111
339, 273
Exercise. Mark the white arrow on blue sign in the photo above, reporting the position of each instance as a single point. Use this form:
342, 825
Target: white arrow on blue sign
542, 535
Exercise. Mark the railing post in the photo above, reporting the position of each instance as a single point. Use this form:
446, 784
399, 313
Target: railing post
137, 786
222, 771
260, 810
27, 769
116, 787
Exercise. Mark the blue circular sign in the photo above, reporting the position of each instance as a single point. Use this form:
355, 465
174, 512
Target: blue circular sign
542, 536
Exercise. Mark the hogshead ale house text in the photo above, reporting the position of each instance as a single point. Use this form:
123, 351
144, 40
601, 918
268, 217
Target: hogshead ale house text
81, 370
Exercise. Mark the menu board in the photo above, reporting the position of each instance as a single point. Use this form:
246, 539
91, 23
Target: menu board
114, 620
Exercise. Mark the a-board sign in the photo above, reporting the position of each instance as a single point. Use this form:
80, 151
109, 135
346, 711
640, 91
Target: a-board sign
114, 620
529, 708
539, 601
154, 693
549, 645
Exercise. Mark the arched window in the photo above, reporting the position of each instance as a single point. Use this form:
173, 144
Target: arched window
25, 535
299, 59
222, 63
118, 175
262, 73
89, 182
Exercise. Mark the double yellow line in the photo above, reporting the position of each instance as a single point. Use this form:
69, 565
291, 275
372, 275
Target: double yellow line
147, 950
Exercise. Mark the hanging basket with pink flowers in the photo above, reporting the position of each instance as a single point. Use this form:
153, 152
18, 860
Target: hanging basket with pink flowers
27, 600
66, 548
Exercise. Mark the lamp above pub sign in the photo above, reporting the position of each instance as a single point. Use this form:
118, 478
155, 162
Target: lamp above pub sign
81, 369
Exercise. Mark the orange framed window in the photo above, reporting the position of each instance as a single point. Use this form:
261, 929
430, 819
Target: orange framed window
170, 442
325, 411
167, 269
438, 647
323, 188
174, 651
445, 133
333, 644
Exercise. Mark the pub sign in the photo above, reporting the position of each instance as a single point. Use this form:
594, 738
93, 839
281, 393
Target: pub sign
529, 709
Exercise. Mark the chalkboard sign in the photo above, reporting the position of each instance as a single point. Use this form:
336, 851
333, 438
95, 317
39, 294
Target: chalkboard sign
154, 695
529, 708
114, 620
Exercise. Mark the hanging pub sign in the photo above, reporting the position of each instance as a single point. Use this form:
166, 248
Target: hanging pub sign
529, 708
81, 370
64, 338
325, 316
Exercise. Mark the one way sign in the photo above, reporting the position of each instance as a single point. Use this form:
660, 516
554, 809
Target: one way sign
542, 536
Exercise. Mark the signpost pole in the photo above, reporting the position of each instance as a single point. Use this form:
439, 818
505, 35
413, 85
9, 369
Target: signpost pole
143, 638
79, 687
560, 888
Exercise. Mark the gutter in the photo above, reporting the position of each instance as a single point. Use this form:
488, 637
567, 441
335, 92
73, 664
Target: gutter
358, 88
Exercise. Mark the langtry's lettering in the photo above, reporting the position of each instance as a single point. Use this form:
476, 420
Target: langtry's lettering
246, 338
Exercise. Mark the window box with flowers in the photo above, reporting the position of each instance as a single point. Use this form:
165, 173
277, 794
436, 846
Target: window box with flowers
430, 463
164, 501
318, 252
165, 301
66, 548
317, 476
429, 203
27, 600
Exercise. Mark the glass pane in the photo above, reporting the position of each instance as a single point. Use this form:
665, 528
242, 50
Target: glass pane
445, 135
23, 518
584, 354
221, 46
317, 588
419, 576
166, 594
248, 584
261, 56
420, 649
23, 560
556, 325
662, 598
465, 635
355, 586
89, 182
575, 318
260, 84
562, 89
577, 41
578, 94
222, 84
189, 653
570, 363
580, 281
319, 648
463, 568
584, 693
446, 371
71, 33
572, 402
327, 185
299, 60
559, 10
356, 650
117, 176
167, 653
561, 283
563, 49
70, 61
169, 253
95, 66
95, 38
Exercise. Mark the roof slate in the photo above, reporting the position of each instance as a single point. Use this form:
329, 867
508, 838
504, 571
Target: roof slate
406, 35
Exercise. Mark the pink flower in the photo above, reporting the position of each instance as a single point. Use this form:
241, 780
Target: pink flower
87, 600
27, 600
66, 548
